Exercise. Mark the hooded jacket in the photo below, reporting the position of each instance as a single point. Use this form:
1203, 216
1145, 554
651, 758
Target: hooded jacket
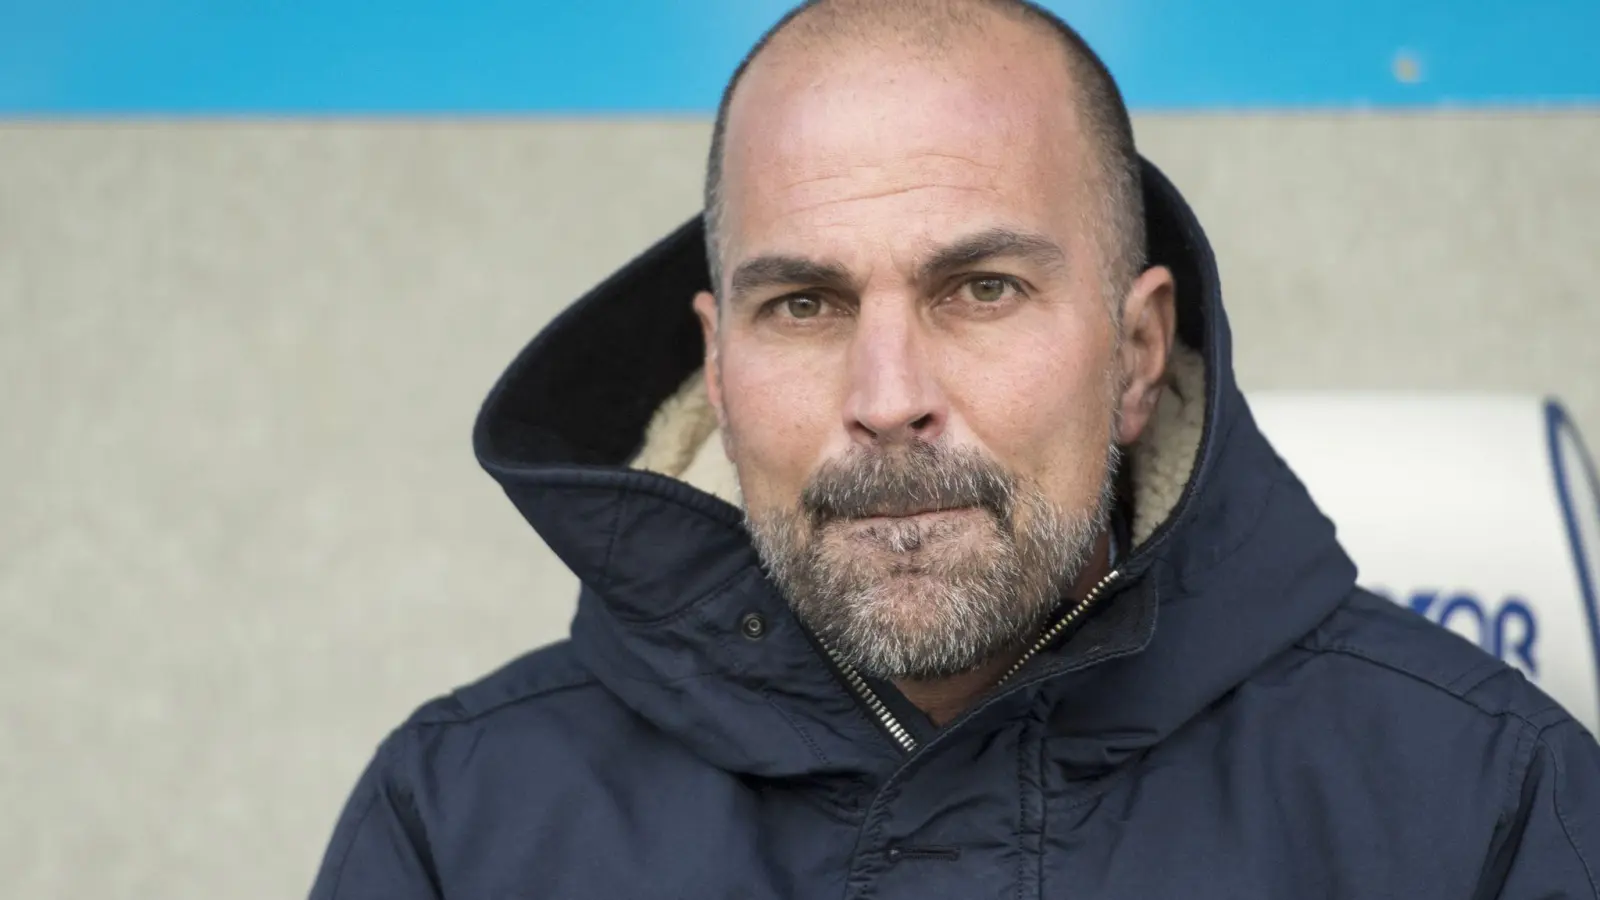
1233, 719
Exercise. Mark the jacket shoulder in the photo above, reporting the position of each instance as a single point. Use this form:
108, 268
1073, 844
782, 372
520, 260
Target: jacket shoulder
1392, 642
536, 675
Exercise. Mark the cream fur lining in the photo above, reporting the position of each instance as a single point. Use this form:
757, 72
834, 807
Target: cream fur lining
683, 442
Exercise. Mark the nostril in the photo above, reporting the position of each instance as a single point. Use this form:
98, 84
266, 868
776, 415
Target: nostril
923, 424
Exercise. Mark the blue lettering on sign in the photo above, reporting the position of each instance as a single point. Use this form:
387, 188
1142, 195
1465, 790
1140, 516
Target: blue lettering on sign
1507, 629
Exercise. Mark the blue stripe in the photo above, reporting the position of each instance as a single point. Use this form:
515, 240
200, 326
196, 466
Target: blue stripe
644, 56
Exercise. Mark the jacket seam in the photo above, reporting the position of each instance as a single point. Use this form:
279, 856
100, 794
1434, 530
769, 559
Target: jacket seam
467, 717
1030, 757
430, 867
690, 608
1345, 650
1473, 678
874, 825
344, 858
1521, 762
1022, 809
1510, 812
616, 528
355, 832
1555, 762
805, 736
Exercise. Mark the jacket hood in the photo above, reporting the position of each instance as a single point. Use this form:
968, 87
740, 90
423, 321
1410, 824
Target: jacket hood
600, 434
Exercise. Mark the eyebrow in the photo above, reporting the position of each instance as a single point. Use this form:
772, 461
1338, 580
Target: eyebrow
774, 270
992, 243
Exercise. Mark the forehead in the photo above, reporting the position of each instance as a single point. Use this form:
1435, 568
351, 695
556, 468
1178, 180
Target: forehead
830, 136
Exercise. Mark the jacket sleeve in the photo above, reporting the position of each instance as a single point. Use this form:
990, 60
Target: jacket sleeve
379, 850
1551, 844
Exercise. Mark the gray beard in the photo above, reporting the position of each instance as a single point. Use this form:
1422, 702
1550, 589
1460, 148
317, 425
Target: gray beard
920, 601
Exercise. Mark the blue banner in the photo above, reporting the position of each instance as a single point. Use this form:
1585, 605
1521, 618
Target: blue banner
339, 57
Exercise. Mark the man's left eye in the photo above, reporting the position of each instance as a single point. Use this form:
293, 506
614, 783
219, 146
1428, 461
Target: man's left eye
988, 290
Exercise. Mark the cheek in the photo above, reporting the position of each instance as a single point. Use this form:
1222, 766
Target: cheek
779, 410
1041, 401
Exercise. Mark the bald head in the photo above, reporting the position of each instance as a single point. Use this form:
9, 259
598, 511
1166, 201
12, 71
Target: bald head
820, 32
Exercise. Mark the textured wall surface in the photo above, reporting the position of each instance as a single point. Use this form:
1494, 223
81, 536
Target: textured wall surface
243, 531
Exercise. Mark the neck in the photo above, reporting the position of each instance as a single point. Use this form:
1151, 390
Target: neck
942, 699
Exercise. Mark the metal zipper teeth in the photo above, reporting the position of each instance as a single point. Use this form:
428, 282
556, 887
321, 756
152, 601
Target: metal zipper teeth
885, 718
892, 725
1066, 620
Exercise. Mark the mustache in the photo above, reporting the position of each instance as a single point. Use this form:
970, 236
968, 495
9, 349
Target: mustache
921, 477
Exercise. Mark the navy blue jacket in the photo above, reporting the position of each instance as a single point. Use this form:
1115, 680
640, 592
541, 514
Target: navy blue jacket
1236, 720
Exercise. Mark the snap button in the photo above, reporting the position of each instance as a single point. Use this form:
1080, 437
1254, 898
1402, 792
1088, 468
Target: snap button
753, 626
894, 854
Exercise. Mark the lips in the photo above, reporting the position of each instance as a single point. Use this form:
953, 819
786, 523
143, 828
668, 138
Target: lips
909, 533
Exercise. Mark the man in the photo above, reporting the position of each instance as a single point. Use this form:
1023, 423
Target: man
1019, 602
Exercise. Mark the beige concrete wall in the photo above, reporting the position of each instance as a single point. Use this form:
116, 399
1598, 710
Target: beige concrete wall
243, 532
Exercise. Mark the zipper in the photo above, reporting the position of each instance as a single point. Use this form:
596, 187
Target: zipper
869, 697
898, 732
1062, 624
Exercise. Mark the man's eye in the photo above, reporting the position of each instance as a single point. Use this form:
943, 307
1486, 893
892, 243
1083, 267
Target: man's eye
988, 290
802, 306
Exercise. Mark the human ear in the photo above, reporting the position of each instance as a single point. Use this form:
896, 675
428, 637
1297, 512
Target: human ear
1149, 326
705, 307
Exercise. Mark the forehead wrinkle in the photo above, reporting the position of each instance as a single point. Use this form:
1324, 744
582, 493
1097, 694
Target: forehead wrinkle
942, 178
893, 192
854, 168
934, 154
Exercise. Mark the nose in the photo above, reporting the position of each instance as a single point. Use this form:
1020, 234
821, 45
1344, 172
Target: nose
893, 396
